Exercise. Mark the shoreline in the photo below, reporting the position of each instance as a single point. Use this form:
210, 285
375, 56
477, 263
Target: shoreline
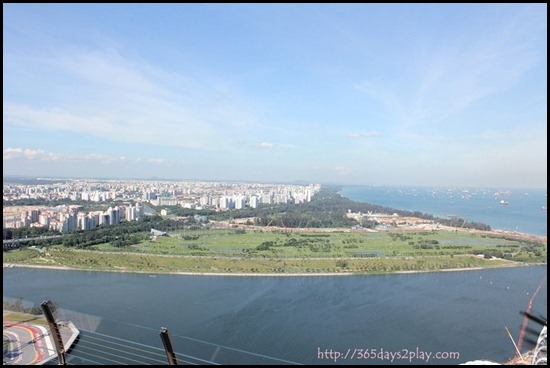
237, 274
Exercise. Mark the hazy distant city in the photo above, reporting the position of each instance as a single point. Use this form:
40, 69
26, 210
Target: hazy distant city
132, 196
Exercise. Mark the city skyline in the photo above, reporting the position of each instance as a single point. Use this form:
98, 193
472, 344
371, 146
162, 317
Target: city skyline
123, 195
366, 94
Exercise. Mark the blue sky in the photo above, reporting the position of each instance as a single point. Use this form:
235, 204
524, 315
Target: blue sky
374, 94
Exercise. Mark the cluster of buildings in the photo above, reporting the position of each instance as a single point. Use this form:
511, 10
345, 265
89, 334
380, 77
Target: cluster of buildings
131, 196
68, 218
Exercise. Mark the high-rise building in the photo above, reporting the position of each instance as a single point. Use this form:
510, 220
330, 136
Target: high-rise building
240, 202
35, 215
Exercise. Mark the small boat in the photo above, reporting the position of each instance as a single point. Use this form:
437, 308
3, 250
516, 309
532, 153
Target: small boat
503, 202
543, 208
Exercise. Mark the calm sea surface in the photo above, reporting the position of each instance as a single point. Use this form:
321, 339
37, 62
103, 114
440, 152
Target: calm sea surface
521, 209
297, 319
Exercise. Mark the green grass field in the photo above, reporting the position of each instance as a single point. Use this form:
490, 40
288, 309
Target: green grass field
240, 251
319, 245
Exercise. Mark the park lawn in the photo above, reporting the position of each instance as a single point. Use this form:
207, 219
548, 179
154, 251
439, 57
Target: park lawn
131, 262
331, 245
256, 251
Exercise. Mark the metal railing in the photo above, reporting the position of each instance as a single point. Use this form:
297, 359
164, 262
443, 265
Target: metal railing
77, 341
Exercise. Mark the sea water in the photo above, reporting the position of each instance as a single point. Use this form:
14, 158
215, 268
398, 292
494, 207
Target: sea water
521, 210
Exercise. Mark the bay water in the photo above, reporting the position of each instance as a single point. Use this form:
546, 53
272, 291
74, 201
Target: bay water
457, 316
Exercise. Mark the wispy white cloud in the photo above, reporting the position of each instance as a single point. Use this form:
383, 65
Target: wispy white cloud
458, 74
100, 158
108, 69
265, 145
130, 101
55, 119
30, 154
356, 135
11, 154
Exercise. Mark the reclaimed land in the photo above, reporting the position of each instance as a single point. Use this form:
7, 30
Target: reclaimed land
277, 252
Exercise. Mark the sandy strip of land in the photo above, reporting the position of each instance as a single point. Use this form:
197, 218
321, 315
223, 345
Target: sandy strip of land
152, 273
12, 265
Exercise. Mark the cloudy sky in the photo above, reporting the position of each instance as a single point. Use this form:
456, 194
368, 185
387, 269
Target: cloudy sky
390, 94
